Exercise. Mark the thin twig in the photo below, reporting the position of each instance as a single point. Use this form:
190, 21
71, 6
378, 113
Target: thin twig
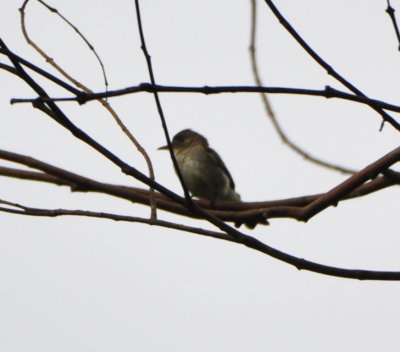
390, 11
328, 93
41, 72
76, 29
103, 102
52, 110
268, 107
329, 69
158, 104
20, 209
299, 263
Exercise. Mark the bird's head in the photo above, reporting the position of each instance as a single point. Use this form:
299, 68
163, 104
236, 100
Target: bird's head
186, 139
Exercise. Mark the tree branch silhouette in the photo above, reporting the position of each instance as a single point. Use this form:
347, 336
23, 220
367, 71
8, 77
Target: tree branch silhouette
390, 11
372, 178
329, 69
268, 106
328, 92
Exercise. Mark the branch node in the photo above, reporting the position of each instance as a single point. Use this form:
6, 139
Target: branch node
329, 92
330, 71
147, 87
390, 10
207, 90
37, 103
82, 98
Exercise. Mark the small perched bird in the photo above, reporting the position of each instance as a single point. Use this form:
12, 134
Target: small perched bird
203, 171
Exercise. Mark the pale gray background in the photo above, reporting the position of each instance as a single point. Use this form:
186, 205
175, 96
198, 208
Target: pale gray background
79, 284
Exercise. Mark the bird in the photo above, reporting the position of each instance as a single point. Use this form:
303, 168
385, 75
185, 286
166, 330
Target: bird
202, 169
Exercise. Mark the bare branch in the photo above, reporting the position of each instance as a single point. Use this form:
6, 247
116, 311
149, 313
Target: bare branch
329, 69
268, 107
337, 193
328, 93
52, 110
158, 105
40, 71
103, 102
237, 212
16, 208
390, 11
374, 177
299, 263
76, 29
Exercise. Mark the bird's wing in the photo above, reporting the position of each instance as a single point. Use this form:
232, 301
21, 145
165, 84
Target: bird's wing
217, 159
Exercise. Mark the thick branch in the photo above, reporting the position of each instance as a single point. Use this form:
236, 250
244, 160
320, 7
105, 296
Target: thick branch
238, 212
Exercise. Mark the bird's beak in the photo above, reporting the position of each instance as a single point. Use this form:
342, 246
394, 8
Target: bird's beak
165, 147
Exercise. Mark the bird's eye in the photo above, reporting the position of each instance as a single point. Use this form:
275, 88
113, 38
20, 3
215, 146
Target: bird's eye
179, 139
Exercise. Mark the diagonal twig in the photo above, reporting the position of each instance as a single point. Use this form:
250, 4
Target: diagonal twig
52, 110
329, 69
103, 102
340, 191
16, 208
390, 11
158, 104
299, 263
268, 107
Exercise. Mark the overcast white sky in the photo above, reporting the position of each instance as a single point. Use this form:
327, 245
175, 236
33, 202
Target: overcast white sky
77, 284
